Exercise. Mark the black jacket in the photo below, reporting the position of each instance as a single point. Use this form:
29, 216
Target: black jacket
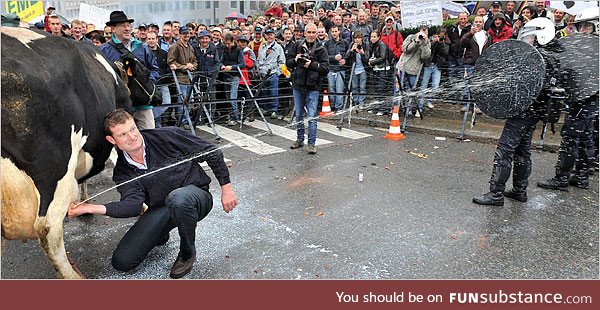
456, 50
439, 55
351, 56
208, 62
161, 60
309, 78
165, 145
334, 48
235, 58
379, 55
472, 48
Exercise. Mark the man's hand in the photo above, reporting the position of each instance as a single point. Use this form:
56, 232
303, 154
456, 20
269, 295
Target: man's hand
189, 66
173, 66
307, 64
228, 198
338, 57
76, 209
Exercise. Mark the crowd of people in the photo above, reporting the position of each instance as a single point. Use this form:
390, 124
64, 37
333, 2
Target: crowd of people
364, 41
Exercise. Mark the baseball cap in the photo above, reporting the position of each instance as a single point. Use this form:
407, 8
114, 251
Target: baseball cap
217, 29
496, 3
257, 29
142, 26
389, 17
243, 38
270, 30
183, 29
203, 33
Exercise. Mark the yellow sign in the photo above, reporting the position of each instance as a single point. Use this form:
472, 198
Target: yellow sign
26, 10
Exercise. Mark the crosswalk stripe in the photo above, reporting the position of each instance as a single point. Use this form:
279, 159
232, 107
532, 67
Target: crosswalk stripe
346, 133
244, 141
284, 132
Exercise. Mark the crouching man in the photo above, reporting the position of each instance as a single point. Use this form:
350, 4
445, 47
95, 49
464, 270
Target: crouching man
177, 197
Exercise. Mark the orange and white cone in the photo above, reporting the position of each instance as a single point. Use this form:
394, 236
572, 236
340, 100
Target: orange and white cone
326, 109
394, 132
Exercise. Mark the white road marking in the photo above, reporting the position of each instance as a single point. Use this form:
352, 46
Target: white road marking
244, 141
283, 132
346, 133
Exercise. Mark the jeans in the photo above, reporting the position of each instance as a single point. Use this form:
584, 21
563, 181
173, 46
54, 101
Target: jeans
184, 93
308, 99
234, 83
335, 82
359, 86
432, 72
184, 207
409, 81
166, 99
271, 89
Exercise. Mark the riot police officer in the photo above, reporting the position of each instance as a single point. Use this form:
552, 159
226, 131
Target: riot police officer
514, 145
577, 147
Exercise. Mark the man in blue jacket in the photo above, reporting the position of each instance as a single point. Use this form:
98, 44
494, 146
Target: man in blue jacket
121, 34
175, 197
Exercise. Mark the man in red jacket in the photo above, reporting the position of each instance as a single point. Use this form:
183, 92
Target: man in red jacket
392, 38
500, 29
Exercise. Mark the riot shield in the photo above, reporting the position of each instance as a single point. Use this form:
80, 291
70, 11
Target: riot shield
580, 61
508, 76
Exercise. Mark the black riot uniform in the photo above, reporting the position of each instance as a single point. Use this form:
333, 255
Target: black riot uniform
577, 147
514, 145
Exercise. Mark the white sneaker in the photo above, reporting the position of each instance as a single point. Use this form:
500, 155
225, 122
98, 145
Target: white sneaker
417, 114
379, 113
429, 105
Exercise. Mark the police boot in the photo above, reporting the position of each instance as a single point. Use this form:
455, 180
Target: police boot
521, 173
490, 199
516, 194
579, 182
559, 183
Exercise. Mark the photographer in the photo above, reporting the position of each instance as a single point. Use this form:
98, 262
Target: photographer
415, 49
433, 64
358, 53
309, 65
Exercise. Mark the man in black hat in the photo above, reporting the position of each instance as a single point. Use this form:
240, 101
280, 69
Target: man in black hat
121, 37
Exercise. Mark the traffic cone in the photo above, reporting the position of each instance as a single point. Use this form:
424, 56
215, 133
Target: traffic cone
326, 109
394, 132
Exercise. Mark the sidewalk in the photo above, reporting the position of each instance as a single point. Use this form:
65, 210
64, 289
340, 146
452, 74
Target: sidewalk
445, 121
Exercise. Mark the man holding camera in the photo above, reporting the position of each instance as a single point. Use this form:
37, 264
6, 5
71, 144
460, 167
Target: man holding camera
309, 65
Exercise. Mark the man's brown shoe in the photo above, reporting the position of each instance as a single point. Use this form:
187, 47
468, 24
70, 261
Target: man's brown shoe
182, 266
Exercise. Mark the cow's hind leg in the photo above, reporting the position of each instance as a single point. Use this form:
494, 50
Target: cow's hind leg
50, 227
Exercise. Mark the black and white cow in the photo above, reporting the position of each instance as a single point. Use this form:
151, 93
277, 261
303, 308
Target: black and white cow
55, 94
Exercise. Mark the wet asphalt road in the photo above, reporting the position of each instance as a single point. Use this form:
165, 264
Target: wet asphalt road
309, 217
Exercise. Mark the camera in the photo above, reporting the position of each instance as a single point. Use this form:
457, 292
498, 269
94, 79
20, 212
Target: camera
304, 58
359, 47
421, 37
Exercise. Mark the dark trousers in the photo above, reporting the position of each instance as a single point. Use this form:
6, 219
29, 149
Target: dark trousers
577, 144
184, 207
514, 144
